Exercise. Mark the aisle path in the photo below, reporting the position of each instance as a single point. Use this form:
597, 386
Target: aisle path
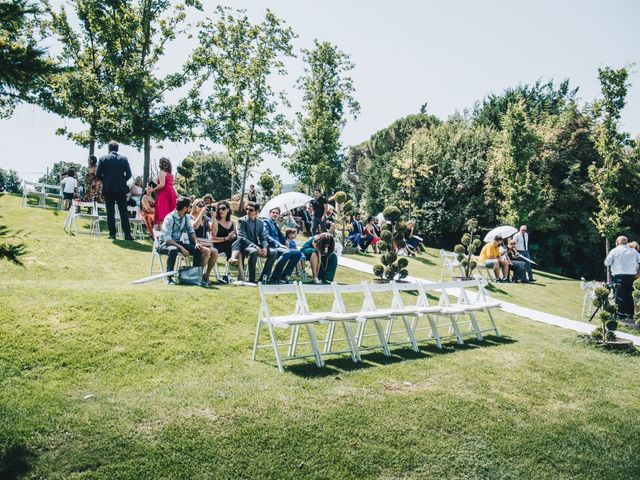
535, 315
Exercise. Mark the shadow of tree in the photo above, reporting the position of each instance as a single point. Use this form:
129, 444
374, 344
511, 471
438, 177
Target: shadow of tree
15, 462
424, 261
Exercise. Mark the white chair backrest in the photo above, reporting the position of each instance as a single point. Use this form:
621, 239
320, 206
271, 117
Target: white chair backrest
310, 289
289, 289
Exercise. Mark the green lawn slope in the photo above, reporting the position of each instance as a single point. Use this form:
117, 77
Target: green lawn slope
103, 380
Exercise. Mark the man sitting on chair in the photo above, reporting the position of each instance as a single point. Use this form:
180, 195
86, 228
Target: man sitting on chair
174, 226
251, 242
490, 258
287, 258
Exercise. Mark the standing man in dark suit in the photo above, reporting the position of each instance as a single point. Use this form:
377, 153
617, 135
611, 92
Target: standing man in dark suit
251, 242
114, 171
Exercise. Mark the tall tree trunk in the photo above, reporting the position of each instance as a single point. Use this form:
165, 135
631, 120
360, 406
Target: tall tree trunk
147, 158
244, 184
92, 139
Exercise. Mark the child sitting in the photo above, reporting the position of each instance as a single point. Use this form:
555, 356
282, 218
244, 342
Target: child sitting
292, 233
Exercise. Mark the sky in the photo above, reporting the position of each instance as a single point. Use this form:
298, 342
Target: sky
447, 54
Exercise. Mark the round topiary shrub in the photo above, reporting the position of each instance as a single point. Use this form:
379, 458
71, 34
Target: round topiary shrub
612, 325
383, 246
459, 249
391, 214
391, 257
340, 197
404, 273
386, 236
403, 262
378, 270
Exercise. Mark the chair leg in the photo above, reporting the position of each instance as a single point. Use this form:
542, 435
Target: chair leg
275, 348
255, 341
474, 325
456, 329
412, 339
355, 356
493, 323
381, 336
434, 331
293, 340
314, 345
329, 337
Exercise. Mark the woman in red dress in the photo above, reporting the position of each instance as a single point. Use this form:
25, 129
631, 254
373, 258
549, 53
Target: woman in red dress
166, 196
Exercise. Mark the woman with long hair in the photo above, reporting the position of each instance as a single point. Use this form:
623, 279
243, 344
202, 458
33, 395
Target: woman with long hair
166, 194
92, 186
148, 207
319, 250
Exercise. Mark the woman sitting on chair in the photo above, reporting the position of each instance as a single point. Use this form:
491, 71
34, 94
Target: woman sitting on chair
202, 228
324, 262
148, 207
223, 229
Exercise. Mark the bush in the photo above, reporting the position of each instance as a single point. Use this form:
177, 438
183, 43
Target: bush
340, 197
378, 270
391, 214
403, 262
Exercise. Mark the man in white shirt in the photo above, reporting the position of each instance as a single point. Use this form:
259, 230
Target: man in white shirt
624, 263
522, 245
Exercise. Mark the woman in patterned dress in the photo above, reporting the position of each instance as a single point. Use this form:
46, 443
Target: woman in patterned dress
92, 186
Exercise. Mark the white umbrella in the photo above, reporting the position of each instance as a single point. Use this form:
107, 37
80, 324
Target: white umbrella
285, 202
505, 231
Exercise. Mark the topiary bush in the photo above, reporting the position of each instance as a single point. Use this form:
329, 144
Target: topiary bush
392, 238
608, 316
636, 299
468, 246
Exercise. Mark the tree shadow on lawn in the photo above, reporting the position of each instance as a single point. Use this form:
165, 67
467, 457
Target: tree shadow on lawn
424, 260
343, 364
553, 276
15, 462
133, 245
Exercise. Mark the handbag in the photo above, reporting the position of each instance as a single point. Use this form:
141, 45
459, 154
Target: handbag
190, 276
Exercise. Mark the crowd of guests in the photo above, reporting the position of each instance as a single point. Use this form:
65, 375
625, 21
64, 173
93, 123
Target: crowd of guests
511, 263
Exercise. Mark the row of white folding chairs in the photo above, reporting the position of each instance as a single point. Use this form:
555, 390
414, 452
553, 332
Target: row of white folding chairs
383, 319
42, 191
95, 217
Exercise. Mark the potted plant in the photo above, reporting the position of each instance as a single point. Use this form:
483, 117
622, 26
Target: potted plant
344, 208
468, 246
605, 335
392, 267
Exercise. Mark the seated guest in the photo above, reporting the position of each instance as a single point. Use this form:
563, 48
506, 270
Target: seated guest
251, 242
201, 222
358, 237
370, 231
516, 263
287, 258
324, 262
135, 192
148, 207
413, 242
223, 230
291, 234
174, 226
490, 258
209, 206
376, 227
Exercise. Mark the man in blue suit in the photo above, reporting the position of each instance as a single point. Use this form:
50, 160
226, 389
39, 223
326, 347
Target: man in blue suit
287, 258
114, 172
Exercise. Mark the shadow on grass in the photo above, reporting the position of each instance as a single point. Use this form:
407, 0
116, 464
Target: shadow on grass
424, 260
335, 366
133, 245
553, 276
15, 462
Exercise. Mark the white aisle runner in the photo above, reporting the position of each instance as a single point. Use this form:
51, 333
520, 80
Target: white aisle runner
535, 315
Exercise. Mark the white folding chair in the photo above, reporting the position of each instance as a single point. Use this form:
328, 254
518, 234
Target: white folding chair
332, 318
450, 263
482, 302
156, 255
396, 310
366, 313
419, 310
71, 221
299, 317
589, 289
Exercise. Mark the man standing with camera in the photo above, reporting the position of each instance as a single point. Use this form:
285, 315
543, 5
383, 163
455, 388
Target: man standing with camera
624, 263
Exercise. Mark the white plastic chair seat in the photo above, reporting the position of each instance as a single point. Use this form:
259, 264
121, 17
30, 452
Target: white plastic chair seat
454, 310
433, 309
285, 321
340, 317
406, 311
488, 304
380, 313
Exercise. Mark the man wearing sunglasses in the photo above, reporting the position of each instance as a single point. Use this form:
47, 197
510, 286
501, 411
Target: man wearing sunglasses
252, 241
287, 258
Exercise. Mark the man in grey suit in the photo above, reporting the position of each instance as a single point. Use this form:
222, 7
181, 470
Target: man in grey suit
114, 171
251, 242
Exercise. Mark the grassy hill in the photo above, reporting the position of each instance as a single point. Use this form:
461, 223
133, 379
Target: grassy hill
101, 379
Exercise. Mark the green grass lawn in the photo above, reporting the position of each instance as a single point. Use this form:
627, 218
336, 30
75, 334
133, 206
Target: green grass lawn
101, 379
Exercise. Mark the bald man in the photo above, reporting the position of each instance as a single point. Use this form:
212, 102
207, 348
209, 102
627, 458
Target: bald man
624, 263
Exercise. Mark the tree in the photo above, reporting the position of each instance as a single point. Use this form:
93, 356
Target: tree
134, 37
22, 62
327, 95
267, 184
83, 88
520, 189
210, 171
10, 181
236, 60
610, 144
184, 175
